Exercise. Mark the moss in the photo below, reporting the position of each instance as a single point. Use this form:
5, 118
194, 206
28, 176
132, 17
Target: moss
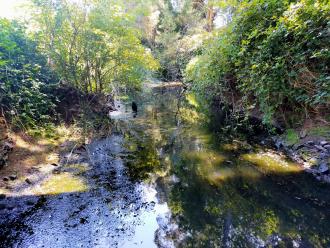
61, 183
291, 137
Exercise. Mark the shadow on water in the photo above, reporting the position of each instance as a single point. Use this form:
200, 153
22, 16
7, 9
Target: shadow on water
222, 192
164, 179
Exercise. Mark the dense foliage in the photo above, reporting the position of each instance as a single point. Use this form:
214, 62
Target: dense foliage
93, 45
25, 79
90, 46
178, 33
273, 57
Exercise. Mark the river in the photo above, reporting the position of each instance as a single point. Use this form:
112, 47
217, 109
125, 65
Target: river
163, 179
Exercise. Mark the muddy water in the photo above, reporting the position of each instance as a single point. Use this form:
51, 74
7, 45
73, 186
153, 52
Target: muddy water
162, 179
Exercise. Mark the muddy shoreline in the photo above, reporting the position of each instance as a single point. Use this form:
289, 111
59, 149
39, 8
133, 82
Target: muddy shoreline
107, 214
312, 154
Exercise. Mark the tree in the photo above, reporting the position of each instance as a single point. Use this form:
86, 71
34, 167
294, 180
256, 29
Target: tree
25, 78
180, 31
93, 45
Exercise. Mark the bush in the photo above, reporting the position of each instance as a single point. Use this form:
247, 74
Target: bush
274, 56
25, 79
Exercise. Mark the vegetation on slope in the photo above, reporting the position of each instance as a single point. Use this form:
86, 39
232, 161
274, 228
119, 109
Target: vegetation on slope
90, 46
271, 59
274, 57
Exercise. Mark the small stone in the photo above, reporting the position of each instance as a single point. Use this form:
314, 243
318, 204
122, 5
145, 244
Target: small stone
321, 148
30, 203
12, 177
323, 156
323, 168
7, 146
278, 144
298, 146
310, 142
83, 220
327, 147
28, 181
54, 164
326, 179
302, 134
323, 143
5, 179
56, 172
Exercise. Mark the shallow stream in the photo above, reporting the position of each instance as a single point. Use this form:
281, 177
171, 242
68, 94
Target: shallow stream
163, 179
220, 191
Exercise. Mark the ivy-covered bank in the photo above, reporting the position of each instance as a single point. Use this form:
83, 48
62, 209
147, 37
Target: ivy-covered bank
271, 60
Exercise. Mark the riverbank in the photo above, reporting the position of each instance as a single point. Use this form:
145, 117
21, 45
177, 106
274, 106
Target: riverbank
310, 148
308, 145
71, 191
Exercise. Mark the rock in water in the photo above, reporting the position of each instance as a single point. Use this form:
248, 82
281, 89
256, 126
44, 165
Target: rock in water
323, 168
28, 181
134, 106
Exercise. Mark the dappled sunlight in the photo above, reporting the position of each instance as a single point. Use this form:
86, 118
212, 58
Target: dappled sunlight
77, 169
215, 176
190, 116
37, 153
209, 166
230, 147
201, 136
60, 134
235, 145
31, 146
59, 184
205, 158
248, 172
191, 98
269, 162
215, 168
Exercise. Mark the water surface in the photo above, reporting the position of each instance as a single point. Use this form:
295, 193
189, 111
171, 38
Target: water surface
220, 191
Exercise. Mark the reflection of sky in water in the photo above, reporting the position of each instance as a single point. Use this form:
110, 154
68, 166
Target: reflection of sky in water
217, 177
144, 233
122, 112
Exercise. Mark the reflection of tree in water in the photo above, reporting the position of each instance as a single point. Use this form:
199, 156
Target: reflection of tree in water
220, 204
247, 212
152, 134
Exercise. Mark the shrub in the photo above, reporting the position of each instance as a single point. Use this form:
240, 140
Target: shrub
25, 79
275, 56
